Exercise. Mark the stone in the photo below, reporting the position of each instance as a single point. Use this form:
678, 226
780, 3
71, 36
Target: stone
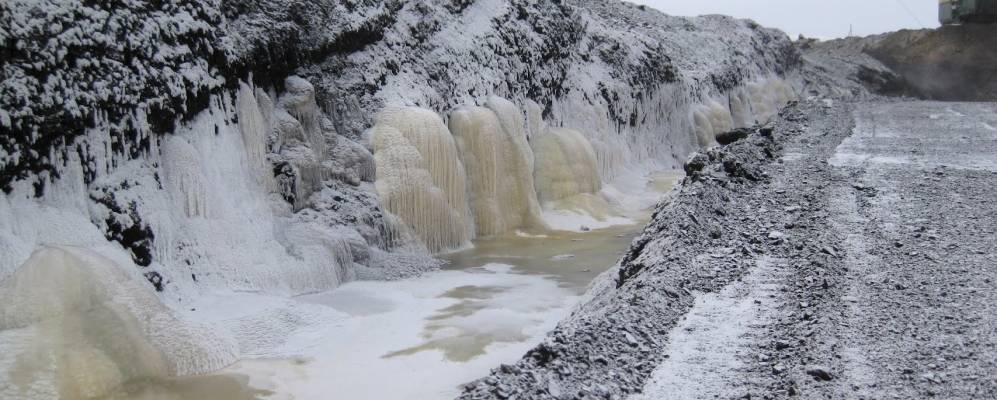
729, 137
819, 373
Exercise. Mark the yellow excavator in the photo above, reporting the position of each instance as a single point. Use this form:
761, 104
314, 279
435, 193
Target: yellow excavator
956, 12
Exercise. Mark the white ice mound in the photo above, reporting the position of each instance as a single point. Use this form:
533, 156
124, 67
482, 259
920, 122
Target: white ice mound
499, 163
419, 176
567, 181
77, 321
565, 165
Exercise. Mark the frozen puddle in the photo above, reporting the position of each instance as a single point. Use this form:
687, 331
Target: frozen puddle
429, 335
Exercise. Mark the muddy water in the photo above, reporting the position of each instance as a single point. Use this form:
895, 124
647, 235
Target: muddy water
208, 387
571, 258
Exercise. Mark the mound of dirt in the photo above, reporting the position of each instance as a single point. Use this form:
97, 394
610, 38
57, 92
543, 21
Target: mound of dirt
949, 63
953, 63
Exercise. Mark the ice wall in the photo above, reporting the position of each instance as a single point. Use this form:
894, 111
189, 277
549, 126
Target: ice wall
499, 163
420, 177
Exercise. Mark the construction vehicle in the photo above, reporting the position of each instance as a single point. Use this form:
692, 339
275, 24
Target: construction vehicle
954, 12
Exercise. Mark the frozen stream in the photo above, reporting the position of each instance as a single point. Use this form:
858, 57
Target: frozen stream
418, 338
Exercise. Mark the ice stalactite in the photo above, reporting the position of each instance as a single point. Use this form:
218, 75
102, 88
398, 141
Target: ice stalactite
521, 155
419, 176
499, 163
184, 176
768, 97
95, 328
567, 174
255, 128
535, 124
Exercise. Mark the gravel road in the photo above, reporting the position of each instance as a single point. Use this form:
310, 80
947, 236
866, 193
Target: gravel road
847, 253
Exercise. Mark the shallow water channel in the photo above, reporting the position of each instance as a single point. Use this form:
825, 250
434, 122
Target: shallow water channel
424, 337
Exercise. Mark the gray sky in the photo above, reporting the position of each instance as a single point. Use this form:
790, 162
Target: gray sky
824, 19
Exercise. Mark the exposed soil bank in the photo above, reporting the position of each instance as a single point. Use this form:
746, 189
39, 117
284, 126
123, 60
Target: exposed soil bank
951, 63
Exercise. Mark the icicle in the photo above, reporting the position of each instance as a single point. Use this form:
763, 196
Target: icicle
95, 327
299, 101
184, 177
419, 177
534, 120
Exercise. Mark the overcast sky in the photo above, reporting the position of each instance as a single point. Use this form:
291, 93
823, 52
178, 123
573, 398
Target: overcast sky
824, 19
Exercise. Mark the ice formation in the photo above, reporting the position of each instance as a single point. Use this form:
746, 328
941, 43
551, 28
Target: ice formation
705, 134
768, 97
184, 176
299, 101
720, 117
254, 127
419, 176
756, 103
499, 163
566, 165
740, 109
93, 328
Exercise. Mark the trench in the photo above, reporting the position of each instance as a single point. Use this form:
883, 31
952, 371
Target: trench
431, 334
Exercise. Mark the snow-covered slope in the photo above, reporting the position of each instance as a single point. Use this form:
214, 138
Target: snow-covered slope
218, 146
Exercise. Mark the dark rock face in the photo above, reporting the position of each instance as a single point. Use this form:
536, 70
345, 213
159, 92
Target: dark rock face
123, 223
68, 65
734, 135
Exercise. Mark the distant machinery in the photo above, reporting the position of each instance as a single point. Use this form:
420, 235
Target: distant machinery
951, 12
